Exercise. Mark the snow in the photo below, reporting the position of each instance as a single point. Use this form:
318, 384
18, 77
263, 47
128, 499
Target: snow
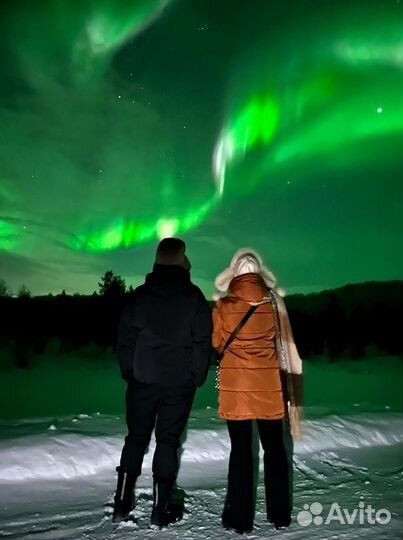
63, 428
58, 483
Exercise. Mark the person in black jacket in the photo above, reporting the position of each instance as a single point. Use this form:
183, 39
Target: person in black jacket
164, 348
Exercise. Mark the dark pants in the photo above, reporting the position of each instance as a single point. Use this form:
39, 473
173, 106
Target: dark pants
166, 408
239, 507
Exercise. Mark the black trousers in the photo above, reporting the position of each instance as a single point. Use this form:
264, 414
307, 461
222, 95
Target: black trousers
239, 507
166, 408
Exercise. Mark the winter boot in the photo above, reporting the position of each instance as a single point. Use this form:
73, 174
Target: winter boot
279, 520
164, 512
124, 497
229, 523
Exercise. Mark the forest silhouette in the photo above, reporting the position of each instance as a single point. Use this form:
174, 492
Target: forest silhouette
353, 321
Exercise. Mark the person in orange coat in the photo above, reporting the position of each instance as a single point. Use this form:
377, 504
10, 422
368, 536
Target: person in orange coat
257, 378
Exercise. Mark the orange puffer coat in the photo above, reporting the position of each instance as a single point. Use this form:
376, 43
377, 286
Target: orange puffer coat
250, 384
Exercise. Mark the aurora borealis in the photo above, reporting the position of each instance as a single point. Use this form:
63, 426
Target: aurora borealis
272, 124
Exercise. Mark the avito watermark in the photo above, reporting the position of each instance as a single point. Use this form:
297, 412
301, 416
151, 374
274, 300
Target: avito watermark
363, 513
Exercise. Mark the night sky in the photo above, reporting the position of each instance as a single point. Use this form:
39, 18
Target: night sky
275, 125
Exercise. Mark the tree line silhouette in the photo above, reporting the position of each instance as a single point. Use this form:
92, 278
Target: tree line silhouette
352, 321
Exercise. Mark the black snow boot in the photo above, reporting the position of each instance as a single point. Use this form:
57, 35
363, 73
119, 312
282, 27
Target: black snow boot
124, 496
230, 523
281, 522
164, 510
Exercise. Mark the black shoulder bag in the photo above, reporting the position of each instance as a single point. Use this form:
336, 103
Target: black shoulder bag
235, 332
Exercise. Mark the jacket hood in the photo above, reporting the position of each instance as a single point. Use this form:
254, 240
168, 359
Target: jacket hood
241, 259
248, 287
168, 280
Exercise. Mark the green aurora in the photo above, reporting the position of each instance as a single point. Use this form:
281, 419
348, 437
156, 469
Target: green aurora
277, 125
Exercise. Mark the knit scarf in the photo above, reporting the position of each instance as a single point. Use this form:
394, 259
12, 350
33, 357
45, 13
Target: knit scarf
290, 363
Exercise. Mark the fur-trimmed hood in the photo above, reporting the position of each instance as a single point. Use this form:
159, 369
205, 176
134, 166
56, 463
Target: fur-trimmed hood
246, 259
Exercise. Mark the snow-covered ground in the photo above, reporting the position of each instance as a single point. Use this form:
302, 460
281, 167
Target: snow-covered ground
57, 478
57, 469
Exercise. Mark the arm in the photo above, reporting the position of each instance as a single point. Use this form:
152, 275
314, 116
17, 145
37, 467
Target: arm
201, 328
126, 341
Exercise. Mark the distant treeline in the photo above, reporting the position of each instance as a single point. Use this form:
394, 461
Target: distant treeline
354, 321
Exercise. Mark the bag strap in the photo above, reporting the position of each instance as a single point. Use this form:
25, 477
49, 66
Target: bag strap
239, 326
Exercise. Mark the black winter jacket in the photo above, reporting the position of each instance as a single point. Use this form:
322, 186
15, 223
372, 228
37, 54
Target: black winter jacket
165, 330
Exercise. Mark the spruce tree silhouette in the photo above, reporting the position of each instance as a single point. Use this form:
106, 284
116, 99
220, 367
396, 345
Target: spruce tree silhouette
112, 289
4, 289
112, 285
23, 292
